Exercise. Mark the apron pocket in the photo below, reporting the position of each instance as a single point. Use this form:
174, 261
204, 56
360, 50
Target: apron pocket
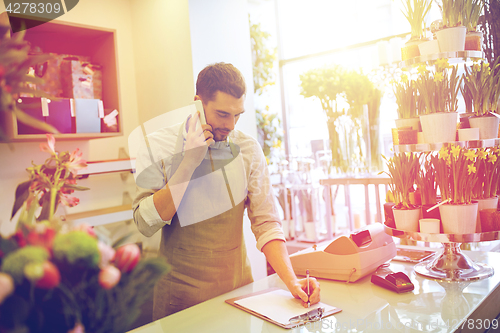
201, 275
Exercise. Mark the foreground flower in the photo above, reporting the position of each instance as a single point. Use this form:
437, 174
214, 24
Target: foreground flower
109, 277
127, 257
15, 262
76, 162
45, 275
49, 147
107, 254
6, 286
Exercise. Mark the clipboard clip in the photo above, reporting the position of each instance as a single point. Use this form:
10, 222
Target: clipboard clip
313, 315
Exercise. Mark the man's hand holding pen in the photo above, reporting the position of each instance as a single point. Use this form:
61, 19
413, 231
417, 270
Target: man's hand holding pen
301, 291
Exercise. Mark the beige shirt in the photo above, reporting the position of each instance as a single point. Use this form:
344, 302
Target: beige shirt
150, 177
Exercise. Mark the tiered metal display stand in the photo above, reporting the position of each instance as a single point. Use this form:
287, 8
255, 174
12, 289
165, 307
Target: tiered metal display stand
449, 264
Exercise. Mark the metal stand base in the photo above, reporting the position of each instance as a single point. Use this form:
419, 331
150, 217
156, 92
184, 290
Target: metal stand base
452, 265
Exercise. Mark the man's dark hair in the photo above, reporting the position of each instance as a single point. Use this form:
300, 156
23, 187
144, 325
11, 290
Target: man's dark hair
220, 77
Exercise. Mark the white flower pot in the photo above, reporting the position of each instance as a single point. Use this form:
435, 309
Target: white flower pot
429, 47
459, 219
488, 126
468, 134
451, 39
439, 127
414, 123
406, 219
430, 226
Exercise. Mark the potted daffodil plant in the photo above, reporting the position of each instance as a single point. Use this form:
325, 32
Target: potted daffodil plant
439, 90
456, 176
488, 173
481, 91
452, 37
415, 12
402, 170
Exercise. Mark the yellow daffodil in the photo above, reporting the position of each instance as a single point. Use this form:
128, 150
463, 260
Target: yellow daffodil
442, 63
482, 154
422, 69
438, 77
492, 158
471, 155
443, 153
471, 168
404, 78
476, 67
455, 151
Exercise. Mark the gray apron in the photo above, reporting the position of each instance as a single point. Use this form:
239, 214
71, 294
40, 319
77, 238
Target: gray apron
208, 258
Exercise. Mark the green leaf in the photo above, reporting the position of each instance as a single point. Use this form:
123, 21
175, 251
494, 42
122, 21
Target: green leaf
22, 192
76, 187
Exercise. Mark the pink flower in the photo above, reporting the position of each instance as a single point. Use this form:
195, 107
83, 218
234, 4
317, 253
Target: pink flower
127, 257
86, 228
107, 254
77, 329
69, 201
6, 286
109, 276
41, 235
76, 162
49, 147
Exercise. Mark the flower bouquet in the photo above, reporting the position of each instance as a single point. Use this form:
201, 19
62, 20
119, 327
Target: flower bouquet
456, 176
55, 277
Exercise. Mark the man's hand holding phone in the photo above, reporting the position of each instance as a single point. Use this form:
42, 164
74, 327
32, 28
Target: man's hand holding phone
197, 140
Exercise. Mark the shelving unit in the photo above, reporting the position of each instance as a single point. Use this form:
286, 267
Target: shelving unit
82, 40
424, 147
459, 56
450, 264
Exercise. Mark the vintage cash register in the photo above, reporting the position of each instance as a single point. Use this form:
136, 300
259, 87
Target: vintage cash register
347, 258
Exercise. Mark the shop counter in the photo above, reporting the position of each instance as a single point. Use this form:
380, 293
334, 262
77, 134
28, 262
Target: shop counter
431, 307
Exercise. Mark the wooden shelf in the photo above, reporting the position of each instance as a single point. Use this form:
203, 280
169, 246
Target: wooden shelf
102, 216
99, 44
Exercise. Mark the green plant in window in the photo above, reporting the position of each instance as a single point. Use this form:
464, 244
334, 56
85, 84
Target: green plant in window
268, 123
327, 85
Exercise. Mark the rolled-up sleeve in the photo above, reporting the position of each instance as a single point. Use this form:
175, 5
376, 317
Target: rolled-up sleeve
261, 206
152, 166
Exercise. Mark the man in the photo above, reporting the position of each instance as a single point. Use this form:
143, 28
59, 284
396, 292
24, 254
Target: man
197, 193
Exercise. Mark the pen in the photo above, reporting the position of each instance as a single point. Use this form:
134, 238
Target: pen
307, 281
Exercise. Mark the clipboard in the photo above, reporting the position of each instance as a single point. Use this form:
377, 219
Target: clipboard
289, 325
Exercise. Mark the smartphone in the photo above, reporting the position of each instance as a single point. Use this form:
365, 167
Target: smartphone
199, 107
203, 120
